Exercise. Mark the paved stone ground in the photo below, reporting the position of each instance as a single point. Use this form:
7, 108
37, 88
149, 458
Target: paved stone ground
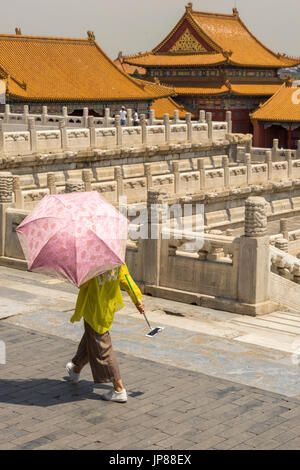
168, 407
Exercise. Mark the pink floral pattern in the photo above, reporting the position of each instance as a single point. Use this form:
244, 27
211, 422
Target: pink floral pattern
74, 236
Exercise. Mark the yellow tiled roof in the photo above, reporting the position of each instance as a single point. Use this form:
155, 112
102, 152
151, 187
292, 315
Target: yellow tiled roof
46, 68
204, 89
156, 89
280, 107
168, 105
168, 60
239, 89
228, 38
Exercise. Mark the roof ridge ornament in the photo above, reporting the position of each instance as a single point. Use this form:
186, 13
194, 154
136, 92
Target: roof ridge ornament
288, 81
91, 35
189, 7
235, 12
18, 31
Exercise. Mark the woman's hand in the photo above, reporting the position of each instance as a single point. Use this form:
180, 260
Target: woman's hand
141, 307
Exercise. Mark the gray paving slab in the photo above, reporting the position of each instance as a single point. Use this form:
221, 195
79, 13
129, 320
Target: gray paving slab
50, 413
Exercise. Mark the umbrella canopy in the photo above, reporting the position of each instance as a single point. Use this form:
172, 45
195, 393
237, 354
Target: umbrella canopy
74, 236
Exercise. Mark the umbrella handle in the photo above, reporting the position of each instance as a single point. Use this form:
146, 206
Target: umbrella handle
137, 300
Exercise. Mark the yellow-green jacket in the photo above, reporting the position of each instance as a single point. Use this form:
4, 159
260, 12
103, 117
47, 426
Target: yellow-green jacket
101, 297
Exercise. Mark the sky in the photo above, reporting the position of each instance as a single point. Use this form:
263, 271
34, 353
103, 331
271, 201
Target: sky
133, 26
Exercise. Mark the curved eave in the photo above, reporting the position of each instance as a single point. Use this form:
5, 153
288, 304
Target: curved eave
76, 99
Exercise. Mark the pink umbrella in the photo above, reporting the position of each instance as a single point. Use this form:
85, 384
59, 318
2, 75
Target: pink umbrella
73, 236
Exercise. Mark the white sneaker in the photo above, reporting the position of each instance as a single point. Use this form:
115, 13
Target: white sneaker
73, 376
112, 395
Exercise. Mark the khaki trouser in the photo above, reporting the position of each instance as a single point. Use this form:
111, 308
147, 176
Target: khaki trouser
98, 351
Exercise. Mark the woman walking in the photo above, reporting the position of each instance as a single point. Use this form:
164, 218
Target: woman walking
97, 302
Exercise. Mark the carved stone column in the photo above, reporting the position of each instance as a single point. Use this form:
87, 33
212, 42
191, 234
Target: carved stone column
254, 259
118, 130
1, 136
225, 163
152, 117
284, 228
152, 257
188, 118
249, 167
176, 172
74, 186
87, 179
148, 174
51, 182
269, 163
119, 180
19, 200
201, 168
92, 130
202, 116
6, 200
143, 125
106, 121
63, 133
209, 123
33, 135
229, 122
167, 127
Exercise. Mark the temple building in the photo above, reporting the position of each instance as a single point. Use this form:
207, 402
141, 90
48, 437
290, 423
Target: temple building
76, 73
215, 63
279, 118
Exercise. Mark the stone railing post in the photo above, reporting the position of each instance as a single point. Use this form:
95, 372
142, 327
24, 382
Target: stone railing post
269, 163
19, 200
33, 135
176, 172
118, 130
25, 113
151, 117
298, 150
64, 111
167, 127
188, 119
119, 180
74, 185
225, 164
152, 260
143, 125
148, 174
289, 164
63, 133
248, 146
229, 122
176, 116
6, 200
129, 117
275, 150
6, 113
284, 228
202, 116
254, 262
209, 123
249, 167
85, 117
106, 117
201, 168
51, 182
44, 114
87, 179
92, 130
1, 136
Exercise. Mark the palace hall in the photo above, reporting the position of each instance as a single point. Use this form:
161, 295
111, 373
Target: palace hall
215, 63
55, 72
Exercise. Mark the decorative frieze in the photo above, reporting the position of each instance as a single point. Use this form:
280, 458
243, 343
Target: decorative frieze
6, 187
